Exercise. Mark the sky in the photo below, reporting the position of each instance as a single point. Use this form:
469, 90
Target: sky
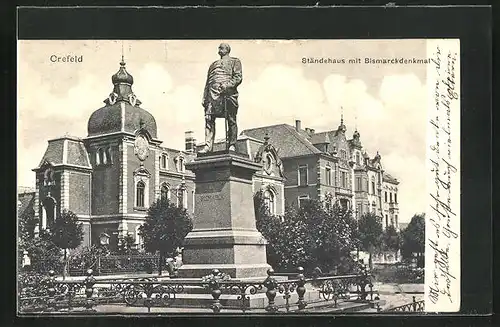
385, 102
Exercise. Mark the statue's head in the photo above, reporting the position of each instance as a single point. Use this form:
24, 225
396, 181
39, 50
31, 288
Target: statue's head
224, 49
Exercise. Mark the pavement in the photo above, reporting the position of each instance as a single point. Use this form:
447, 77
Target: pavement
393, 288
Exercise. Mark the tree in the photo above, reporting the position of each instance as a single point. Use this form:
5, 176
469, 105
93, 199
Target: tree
27, 223
44, 254
165, 228
413, 237
67, 233
315, 235
391, 239
370, 233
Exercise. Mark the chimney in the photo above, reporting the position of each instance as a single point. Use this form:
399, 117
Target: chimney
190, 142
297, 125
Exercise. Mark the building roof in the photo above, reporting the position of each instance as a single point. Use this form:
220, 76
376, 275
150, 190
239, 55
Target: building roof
285, 138
320, 138
121, 112
26, 201
66, 150
121, 117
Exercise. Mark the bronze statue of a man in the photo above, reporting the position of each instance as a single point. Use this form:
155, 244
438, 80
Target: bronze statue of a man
220, 98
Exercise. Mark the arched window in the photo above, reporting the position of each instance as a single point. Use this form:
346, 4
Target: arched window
165, 192
328, 175
109, 156
102, 156
182, 198
358, 162
180, 164
97, 158
140, 194
49, 206
164, 161
343, 154
270, 201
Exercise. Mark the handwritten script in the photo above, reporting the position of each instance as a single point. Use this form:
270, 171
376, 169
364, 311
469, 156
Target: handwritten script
444, 207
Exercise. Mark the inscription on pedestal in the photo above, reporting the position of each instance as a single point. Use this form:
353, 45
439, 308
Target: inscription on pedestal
210, 197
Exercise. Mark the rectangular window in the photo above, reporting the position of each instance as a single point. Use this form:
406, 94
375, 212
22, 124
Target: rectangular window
373, 187
343, 179
328, 174
386, 221
303, 175
390, 197
358, 183
367, 186
164, 161
385, 196
360, 210
302, 199
395, 197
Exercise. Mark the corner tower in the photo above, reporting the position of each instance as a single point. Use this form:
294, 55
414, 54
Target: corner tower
123, 149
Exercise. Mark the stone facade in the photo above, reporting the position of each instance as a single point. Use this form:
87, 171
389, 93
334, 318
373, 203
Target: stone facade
330, 166
110, 177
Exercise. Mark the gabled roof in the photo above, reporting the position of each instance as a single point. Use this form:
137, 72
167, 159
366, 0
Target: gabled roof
320, 138
285, 138
66, 150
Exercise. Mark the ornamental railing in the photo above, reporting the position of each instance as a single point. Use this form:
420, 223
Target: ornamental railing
49, 294
414, 306
117, 264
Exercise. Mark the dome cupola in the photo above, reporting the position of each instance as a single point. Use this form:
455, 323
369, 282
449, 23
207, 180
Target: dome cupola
122, 76
122, 112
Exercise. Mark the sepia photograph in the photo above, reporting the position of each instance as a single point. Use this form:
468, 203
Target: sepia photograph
252, 176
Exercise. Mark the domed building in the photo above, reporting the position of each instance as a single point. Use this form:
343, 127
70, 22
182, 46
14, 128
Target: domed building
110, 177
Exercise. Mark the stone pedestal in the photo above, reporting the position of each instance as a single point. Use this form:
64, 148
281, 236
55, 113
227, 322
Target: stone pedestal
224, 235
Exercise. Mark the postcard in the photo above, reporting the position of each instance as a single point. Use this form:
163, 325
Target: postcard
238, 176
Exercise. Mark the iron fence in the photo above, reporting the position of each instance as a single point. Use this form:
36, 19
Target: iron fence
414, 306
48, 295
118, 264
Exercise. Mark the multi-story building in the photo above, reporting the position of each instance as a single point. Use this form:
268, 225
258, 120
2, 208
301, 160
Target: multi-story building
330, 166
110, 177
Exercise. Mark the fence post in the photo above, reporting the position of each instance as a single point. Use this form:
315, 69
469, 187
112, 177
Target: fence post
214, 287
89, 290
301, 290
271, 284
414, 304
51, 291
